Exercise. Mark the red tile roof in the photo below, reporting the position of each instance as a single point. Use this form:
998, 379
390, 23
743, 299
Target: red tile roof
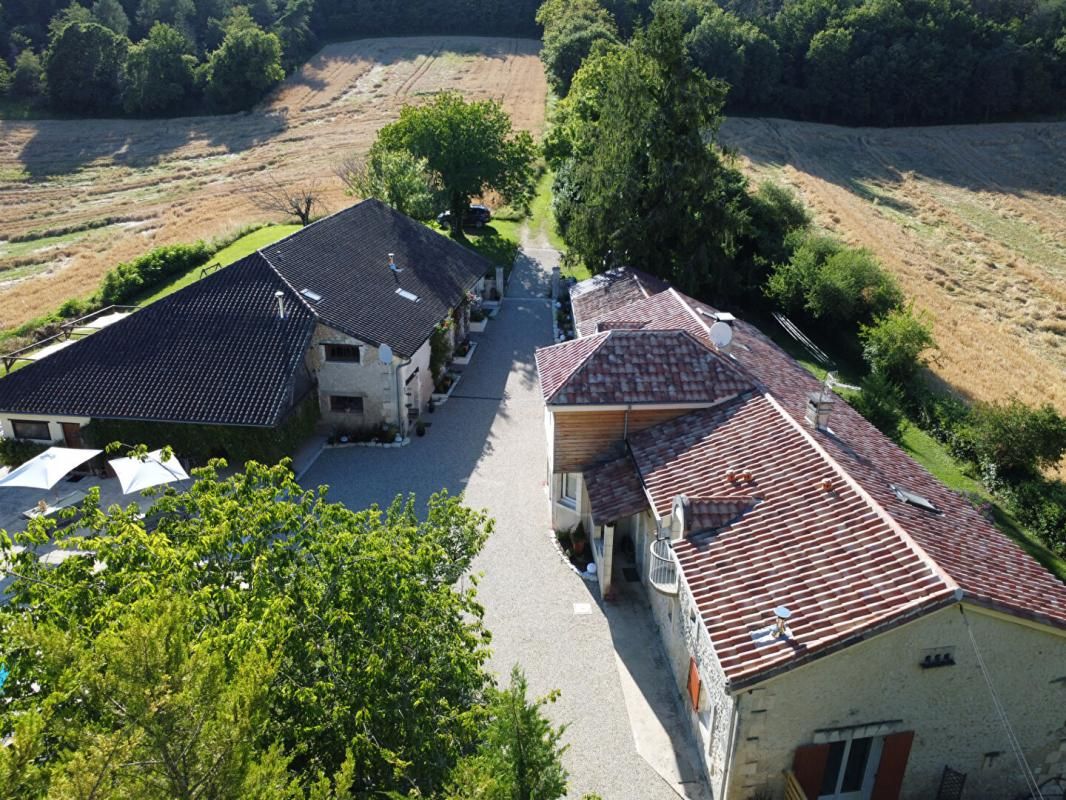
838, 564
604, 293
642, 366
614, 491
848, 562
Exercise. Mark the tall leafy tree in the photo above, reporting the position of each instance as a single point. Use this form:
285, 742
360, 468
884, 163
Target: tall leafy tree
519, 756
245, 66
159, 72
84, 67
639, 178
253, 640
27, 78
471, 148
395, 177
111, 14
571, 31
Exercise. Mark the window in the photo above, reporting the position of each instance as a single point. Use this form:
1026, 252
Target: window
31, 429
850, 768
343, 352
345, 404
569, 494
914, 499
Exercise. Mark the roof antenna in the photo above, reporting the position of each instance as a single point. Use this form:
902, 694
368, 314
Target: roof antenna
392, 264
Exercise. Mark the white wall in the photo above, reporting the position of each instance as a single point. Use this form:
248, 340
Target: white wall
55, 424
419, 362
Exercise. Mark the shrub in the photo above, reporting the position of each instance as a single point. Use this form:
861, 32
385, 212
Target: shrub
1040, 505
1012, 442
14, 452
938, 413
27, 79
896, 343
129, 279
200, 443
881, 402
833, 283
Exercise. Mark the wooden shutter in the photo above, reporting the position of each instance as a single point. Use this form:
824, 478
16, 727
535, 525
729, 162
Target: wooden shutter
808, 765
893, 764
693, 683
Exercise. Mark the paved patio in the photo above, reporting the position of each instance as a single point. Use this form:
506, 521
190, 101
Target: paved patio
617, 696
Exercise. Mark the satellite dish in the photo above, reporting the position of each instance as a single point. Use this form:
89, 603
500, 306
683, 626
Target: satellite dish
385, 354
721, 335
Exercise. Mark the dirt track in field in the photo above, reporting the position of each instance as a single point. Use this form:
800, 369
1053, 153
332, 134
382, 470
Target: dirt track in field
971, 219
131, 185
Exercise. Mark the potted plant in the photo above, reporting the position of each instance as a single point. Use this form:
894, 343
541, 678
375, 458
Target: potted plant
420, 428
577, 536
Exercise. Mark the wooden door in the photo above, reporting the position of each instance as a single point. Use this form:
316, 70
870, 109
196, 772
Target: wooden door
72, 434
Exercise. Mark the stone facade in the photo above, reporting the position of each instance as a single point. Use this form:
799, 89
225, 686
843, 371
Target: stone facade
879, 683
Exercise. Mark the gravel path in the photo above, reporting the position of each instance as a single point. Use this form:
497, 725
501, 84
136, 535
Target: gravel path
488, 440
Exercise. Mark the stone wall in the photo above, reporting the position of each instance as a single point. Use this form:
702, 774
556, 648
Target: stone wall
878, 685
369, 379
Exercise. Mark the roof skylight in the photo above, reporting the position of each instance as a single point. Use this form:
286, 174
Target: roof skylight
314, 297
914, 499
406, 295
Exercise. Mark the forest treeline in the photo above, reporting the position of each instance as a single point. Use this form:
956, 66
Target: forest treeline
158, 57
856, 62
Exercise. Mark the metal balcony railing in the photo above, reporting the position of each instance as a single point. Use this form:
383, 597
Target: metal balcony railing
662, 572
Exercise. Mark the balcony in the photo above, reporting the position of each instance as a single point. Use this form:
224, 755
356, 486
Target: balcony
662, 572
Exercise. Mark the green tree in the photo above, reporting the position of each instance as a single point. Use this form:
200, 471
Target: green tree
833, 283
896, 344
84, 67
111, 14
1012, 441
5, 77
395, 177
159, 72
180, 14
571, 31
519, 757
27, 78
251, 636
75, 12
881, 402
471, 148
639, 179
245, 66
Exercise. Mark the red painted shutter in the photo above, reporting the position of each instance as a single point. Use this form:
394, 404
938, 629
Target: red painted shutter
893, 764
693, 683
808, 765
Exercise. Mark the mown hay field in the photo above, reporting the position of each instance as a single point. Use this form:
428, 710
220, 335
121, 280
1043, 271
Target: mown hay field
971, 219
79, 196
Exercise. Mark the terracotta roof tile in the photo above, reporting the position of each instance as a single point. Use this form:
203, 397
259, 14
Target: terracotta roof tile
614, 491
642, 366
604, 293
847, 562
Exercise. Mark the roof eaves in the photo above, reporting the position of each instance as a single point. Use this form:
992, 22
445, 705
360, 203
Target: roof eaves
577, 367
919, 608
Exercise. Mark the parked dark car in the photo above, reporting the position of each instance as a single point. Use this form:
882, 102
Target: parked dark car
476, 216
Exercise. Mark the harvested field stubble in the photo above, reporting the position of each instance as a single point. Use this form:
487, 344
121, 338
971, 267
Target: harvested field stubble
178, 180
971, 219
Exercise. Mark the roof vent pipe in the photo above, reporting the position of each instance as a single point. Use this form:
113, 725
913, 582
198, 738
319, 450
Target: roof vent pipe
781, 617
281, 303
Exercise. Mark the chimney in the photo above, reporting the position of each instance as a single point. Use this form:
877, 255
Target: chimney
819, 404
281, 303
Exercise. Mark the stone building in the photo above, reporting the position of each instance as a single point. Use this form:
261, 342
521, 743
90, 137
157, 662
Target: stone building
339, 314
839, 623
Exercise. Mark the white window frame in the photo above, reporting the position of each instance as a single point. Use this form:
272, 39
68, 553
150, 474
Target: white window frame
569, 500
873, 760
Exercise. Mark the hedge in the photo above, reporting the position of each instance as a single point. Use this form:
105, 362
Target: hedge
200, 443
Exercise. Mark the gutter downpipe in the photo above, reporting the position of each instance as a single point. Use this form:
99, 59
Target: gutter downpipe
731, 750
399, 398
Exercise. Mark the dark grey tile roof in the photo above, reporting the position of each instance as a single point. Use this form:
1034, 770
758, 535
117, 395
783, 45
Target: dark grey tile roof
214, 352
344, 258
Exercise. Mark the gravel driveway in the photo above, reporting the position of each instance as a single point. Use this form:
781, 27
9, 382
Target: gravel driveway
488, 441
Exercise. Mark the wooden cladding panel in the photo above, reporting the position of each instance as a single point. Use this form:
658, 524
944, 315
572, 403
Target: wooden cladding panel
587, 437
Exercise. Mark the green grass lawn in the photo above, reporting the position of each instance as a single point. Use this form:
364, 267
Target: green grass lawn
244, 246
